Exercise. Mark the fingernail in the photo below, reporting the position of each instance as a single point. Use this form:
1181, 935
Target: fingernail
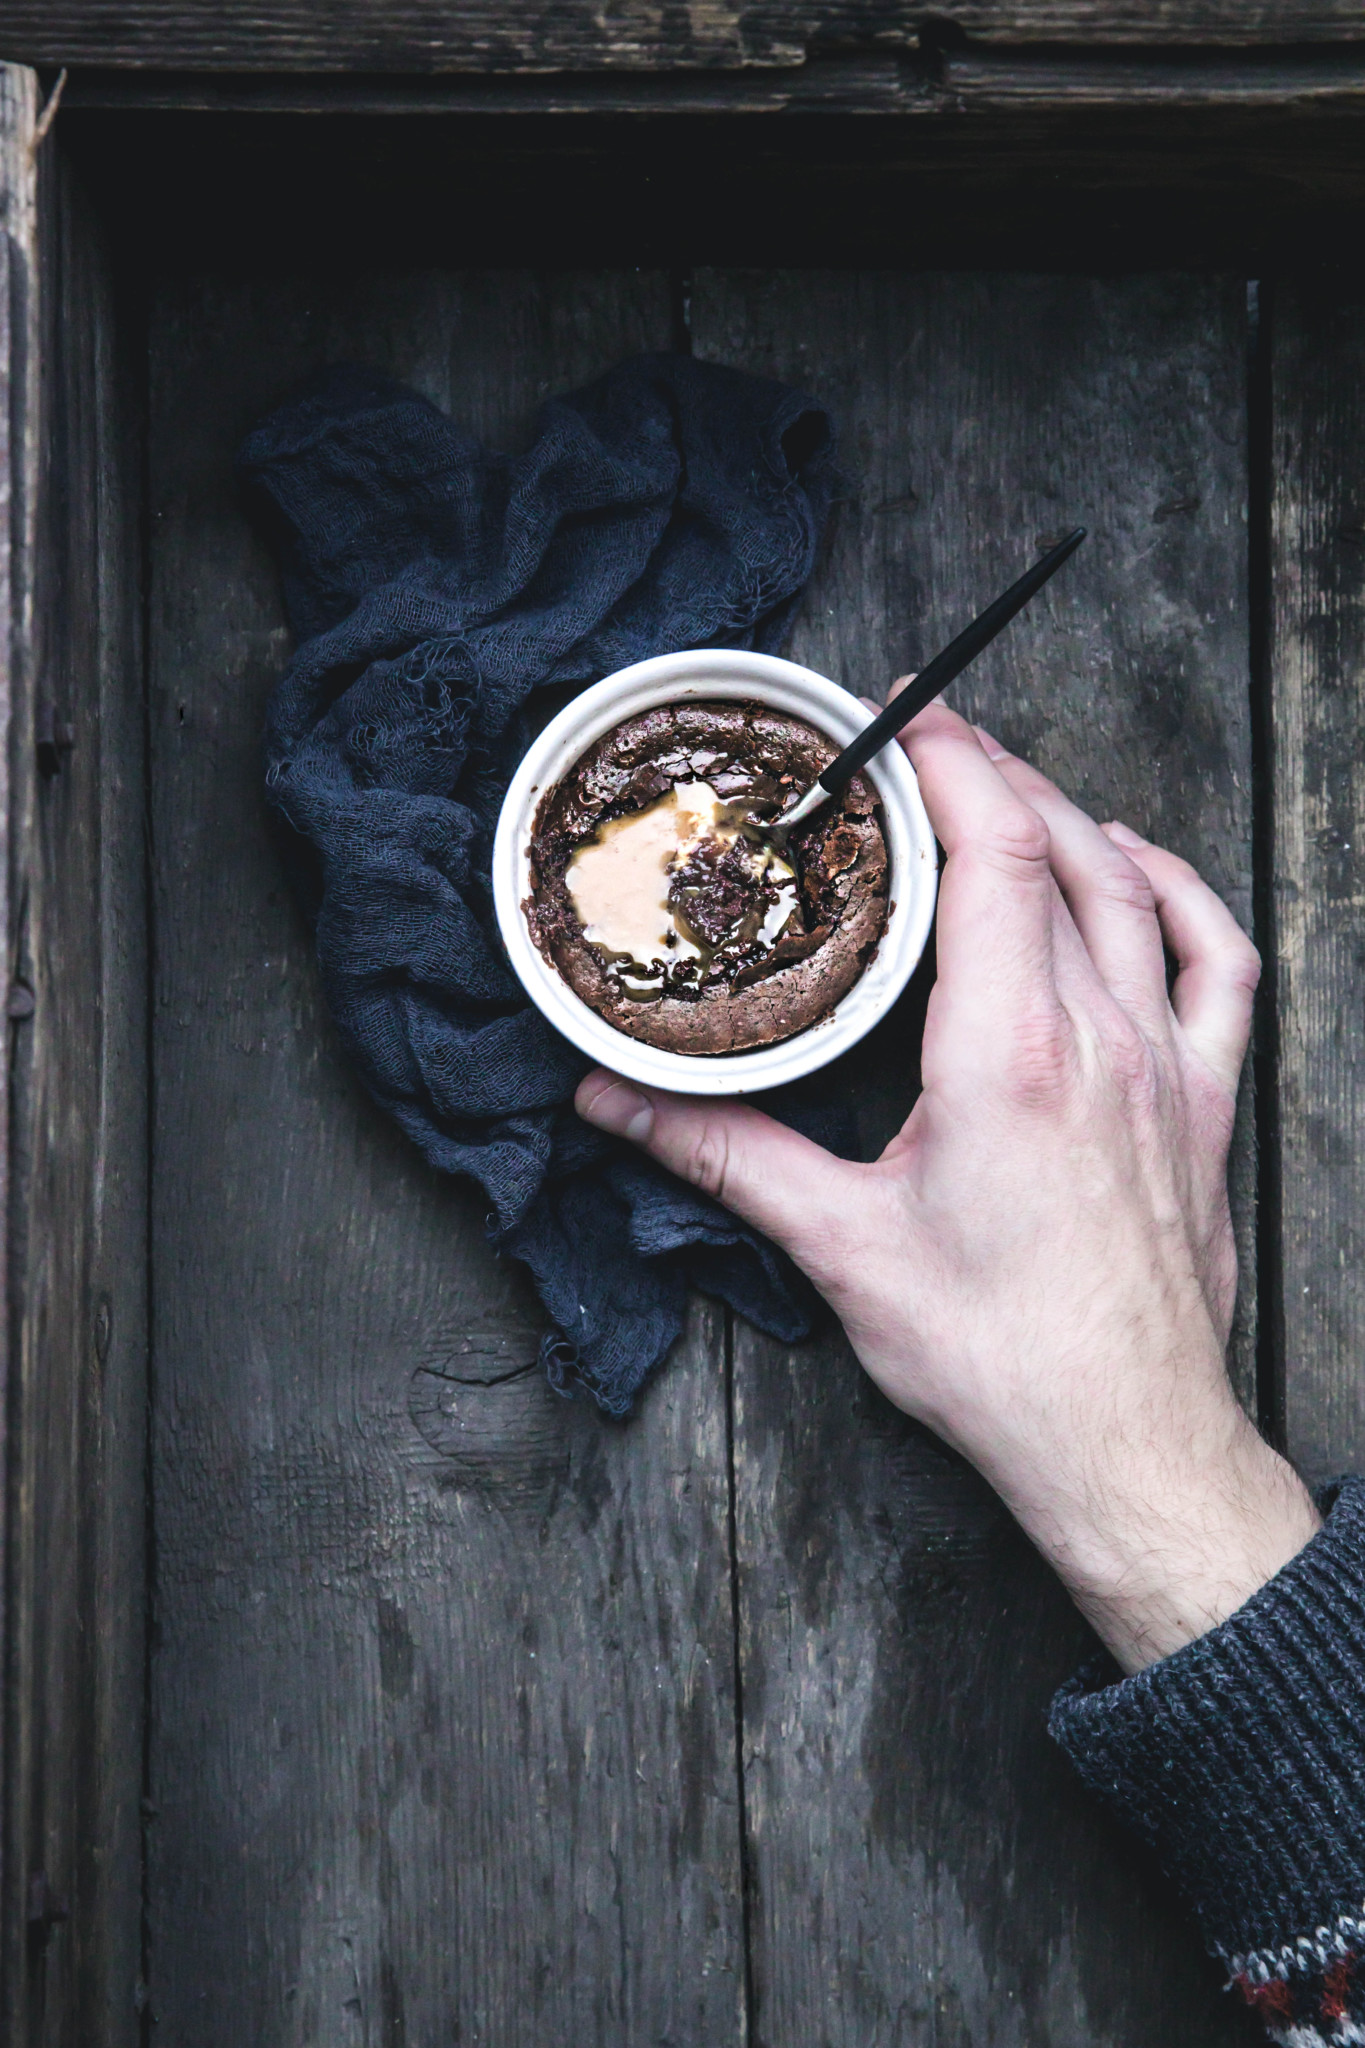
1123, 835
617, 1108
990, 743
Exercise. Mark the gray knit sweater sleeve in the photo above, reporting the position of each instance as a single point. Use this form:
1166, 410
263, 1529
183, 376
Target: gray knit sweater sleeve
1241, 1760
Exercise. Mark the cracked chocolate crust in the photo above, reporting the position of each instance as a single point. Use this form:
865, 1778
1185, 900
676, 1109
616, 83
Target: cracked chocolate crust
742, 995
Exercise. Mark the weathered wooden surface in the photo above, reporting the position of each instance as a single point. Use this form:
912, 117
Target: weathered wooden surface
443, 1719
1318, 662
924, 1869
573, 35
18, 467
75, 990
949, 83
443, 1680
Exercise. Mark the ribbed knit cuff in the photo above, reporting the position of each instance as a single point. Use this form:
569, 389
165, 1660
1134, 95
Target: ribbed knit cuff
1241, 1760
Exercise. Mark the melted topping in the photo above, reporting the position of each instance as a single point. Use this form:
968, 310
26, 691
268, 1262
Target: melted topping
674, 882
723, 950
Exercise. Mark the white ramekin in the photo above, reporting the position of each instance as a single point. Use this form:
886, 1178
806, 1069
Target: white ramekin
718, 673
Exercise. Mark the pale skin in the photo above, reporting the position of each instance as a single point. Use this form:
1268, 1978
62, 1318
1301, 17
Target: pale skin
1041, 1266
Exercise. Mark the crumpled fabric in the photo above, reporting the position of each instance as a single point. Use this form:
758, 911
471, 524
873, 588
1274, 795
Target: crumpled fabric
445, 599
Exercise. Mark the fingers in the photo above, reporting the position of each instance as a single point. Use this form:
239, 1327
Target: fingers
1218, 967
793, 1191
998, 900
1124, 897
1110, 896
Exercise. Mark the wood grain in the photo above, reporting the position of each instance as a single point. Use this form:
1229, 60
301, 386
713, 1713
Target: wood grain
443, 1719
20, 431
983, 80
924, 1870
1317, 657
976, 79
572, 35
78, 1079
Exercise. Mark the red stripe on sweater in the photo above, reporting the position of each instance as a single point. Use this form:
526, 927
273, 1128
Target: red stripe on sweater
1336, 1988
1271, 2001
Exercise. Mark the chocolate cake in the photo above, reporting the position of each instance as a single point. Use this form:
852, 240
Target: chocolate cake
658, 897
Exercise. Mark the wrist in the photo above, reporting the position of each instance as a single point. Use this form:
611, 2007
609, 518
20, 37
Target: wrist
1159, 1550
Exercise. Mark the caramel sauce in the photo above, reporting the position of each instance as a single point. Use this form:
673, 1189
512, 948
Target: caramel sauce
619, 882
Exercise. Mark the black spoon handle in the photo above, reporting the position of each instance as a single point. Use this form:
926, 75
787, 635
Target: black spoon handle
941, 670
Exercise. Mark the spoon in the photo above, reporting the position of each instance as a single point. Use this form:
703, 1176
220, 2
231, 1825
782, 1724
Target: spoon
927, 685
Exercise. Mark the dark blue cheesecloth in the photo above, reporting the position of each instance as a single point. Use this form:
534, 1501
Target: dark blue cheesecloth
445, 599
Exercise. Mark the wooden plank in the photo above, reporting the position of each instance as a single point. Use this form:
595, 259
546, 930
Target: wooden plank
426, 36
972, 80
924, 1867
1317, 659
78, 1262
96, 675
19, 429
856, 82
1015, 81
443, 1719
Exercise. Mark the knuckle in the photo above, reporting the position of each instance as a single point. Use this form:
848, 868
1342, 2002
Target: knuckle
1126, 887
1039, 1062
1242, 964
1015, 842
708, 1163
1017, 832
1131, 1061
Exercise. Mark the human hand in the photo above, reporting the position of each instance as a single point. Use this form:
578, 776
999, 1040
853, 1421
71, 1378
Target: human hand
1041, 1266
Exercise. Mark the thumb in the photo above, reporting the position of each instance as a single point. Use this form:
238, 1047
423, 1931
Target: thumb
792, 1190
